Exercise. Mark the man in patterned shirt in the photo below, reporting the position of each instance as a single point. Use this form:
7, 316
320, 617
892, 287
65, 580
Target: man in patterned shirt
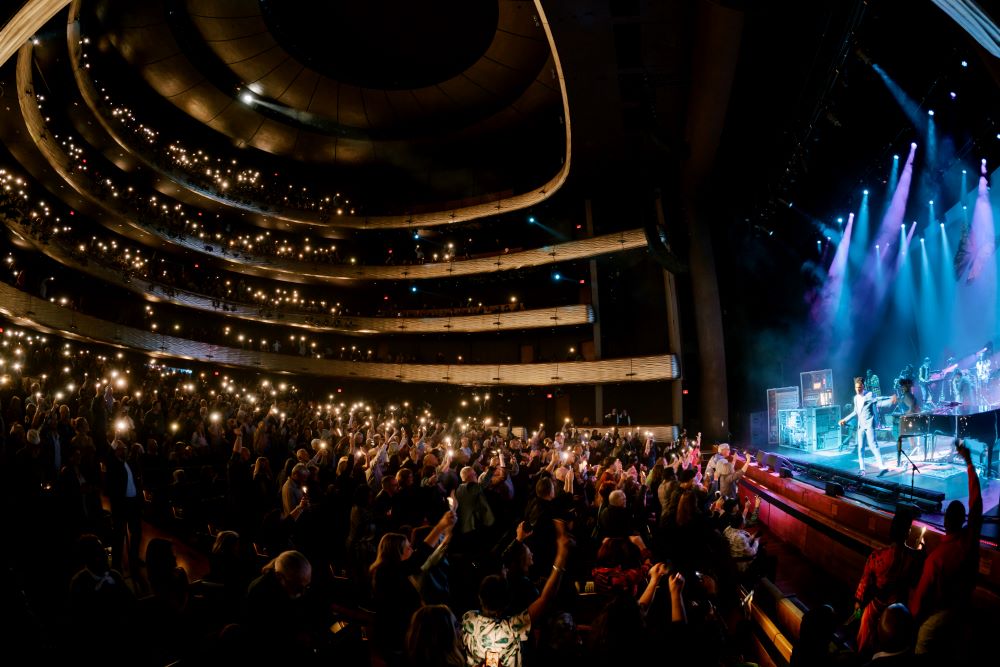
494, 640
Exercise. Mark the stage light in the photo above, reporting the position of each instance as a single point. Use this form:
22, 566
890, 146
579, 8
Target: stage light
556, 276
942, 225
413, 289
952, 95
965, 63
895, 157
841, 220
913, 145
921, 239
864, 192
930, 112
246, 98
931, 202
531, 219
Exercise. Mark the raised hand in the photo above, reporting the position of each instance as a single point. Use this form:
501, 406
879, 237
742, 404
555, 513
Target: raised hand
963, 451
523, 532
676, 583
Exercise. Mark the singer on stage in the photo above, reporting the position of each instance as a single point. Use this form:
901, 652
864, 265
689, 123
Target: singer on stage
864, 409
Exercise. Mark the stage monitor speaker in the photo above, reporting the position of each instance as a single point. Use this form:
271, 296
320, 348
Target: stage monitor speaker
834, 489
785, 471
770, 461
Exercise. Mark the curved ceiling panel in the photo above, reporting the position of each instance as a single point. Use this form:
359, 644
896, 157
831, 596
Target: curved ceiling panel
497, 130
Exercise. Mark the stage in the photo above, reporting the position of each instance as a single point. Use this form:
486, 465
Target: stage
939, 473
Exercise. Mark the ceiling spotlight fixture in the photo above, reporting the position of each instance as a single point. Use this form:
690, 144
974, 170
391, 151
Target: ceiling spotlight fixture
246, 97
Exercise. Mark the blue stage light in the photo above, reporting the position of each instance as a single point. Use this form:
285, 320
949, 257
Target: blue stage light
930, 112
921, 239
895, 157
952, 94
840, 220
931, 202
531, 219
556, 276
864, 192
413, 289
942, 225
416, 236
965, 63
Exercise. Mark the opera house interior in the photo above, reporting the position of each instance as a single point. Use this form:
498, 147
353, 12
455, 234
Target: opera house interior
490, 333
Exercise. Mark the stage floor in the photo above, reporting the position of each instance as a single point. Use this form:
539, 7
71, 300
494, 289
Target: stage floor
940, 472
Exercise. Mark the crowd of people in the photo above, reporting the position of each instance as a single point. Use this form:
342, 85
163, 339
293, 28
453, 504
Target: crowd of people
452, 541
378, 507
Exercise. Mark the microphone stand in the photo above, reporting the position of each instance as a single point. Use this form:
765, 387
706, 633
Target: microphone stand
913, 471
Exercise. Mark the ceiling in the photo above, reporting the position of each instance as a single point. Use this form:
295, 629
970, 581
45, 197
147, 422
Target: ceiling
450, 100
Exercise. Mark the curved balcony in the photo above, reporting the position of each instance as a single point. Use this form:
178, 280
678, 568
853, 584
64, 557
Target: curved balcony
298, 271
504, 321
30, 311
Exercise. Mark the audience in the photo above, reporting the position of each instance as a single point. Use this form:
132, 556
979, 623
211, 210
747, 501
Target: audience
297, 569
